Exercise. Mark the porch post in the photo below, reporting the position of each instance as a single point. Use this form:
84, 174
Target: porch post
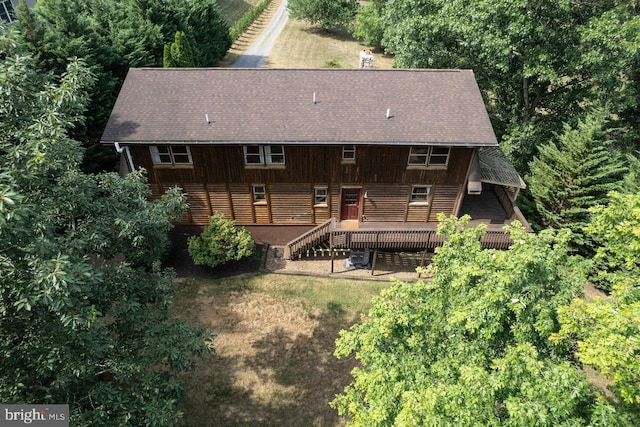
375, 258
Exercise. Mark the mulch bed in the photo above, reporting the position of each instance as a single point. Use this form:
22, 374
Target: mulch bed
180, 261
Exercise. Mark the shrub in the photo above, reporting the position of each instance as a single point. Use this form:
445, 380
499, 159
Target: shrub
245, 21
221, 241
332, 64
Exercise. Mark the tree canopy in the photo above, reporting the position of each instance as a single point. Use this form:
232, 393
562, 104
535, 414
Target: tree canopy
111, 36
84, 304
329, 14
471, 346
574, 174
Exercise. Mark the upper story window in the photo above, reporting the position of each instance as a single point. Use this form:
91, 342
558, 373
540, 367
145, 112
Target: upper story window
349, 154
6, 11
437, 157
264, 155
171, 155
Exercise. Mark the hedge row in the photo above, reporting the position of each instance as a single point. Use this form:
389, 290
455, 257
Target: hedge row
241, 25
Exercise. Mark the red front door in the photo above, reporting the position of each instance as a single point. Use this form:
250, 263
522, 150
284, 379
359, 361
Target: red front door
350, 208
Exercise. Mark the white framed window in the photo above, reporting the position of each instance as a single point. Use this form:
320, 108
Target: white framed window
428, 156
420, 194
6, 11
264, 155
171, 155
349, 154
320, 196
259, 193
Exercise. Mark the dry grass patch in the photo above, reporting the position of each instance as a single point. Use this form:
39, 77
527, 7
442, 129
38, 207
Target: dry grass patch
300, 45
274, 361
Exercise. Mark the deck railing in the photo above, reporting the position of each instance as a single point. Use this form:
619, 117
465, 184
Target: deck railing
314, 237
390, 236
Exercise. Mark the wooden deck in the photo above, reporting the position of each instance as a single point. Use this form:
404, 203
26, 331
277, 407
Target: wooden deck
409, 236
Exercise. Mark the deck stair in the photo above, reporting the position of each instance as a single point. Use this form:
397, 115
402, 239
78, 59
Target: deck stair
329, 238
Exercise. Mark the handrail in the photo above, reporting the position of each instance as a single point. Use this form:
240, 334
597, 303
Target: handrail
408, 239
314, 235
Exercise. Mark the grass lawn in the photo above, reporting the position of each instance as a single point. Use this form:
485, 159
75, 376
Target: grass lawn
232, 10
275, 337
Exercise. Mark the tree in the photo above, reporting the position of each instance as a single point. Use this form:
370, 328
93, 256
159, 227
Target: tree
111, 36
538, 64
471, 347
208, 32
178, 53
220, 242
606, 329
367, 25
329, 14
83, 304
574, 174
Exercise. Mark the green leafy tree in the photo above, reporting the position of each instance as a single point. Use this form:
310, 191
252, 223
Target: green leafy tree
220, 242
329, 14
607, 329
574, 174
83, 304
470, 346
368, 25
178, 53
538, 63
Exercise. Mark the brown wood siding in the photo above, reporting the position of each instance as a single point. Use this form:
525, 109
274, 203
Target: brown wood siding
417, 213
335, 195
385, 202
220, 199
197, 199
321, 214
291, 203
262, 213
443, 200
309, 164
242, 201
220, 181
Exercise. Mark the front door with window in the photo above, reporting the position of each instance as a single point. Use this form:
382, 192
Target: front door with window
350, 207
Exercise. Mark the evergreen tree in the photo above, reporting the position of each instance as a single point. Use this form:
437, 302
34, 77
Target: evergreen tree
178, 54
574, 173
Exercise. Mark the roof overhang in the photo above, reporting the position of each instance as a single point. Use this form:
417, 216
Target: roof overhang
495, 168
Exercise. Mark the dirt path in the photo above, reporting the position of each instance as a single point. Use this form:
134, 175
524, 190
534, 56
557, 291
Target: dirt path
298, 45
257, 52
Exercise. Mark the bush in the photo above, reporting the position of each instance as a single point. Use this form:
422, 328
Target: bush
221, 241
245, 21
332, 64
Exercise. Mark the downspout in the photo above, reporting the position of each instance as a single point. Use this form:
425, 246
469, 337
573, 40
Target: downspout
120, 149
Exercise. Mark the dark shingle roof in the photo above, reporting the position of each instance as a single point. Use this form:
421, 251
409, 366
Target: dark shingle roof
276, 106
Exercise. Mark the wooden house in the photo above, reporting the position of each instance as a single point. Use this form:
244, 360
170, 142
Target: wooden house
344, 152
